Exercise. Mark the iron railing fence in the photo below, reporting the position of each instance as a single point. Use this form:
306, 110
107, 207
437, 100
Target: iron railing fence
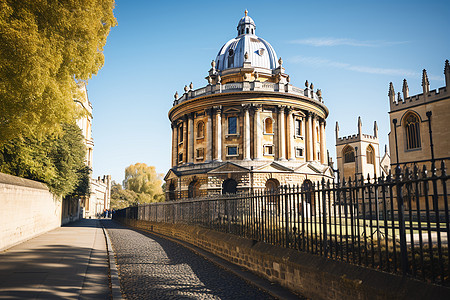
398, 224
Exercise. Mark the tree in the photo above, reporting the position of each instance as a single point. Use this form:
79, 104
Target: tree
143, 179
46, 47
57, 161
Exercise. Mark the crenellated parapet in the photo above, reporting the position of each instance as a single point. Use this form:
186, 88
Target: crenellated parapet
357, 137
404, 100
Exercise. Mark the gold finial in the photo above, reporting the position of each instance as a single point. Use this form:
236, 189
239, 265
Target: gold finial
246, 12
246, 55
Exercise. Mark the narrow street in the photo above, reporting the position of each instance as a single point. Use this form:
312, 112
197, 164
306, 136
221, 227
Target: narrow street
154, 268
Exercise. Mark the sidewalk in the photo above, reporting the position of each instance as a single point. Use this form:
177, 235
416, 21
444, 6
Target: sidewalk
69, 262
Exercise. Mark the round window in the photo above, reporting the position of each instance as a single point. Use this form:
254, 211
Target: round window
230, 52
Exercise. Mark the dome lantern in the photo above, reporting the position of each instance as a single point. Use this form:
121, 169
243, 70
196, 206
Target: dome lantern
246, 25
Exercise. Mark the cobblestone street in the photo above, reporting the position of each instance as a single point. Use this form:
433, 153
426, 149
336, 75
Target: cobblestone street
154, 268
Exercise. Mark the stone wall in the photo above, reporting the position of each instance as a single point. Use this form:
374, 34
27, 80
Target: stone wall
309, 275
27, 209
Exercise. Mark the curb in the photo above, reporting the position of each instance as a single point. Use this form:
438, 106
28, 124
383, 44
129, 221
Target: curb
114, 274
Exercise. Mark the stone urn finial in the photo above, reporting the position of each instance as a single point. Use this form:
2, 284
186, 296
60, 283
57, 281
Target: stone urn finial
191, 86
246, 55
213, 64
306, 83
176, 95
280, 61
219, 79
311, 86
186, 88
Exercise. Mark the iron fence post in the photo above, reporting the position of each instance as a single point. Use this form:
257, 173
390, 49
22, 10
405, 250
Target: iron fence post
324, 211
401, 221
286, 215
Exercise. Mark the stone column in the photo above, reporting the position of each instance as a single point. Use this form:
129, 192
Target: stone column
218, 133
174, 143
258, 151
209, 139
314, 135
323, 146
185, 138
309, 139
291, 134
190, 140
246, 132
281, 134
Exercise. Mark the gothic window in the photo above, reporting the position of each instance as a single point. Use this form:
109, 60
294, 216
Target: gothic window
349, 154
229, 186
268, 150
370, 155
412, 128
232, 125
200, 129
232, 151
268, 126
298, 127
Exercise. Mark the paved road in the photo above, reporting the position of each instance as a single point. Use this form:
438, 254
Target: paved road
154, 268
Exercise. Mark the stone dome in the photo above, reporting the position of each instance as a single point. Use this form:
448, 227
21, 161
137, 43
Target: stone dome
260, 53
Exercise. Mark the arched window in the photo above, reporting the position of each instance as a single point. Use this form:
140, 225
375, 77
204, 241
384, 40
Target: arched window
246, 30
194, 189
272, 184
268, 125
172, 191
412, 128
229, 186
200, 129
370, 155
349, 154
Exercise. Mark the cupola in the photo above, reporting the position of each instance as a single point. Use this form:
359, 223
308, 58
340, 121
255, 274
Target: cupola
246, 25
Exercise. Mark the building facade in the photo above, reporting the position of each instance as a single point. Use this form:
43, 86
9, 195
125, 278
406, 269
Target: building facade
359, 154
99, 199
419, 131
248, 128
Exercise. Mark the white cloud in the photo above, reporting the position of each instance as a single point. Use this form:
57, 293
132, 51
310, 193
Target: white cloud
321, 62
329, 42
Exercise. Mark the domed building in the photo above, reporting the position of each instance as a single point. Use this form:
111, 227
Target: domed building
248, 128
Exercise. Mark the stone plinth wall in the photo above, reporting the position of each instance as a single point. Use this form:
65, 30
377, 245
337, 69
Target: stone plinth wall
27, 209
309, 275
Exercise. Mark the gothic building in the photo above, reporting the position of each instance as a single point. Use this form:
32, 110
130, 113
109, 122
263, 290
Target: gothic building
359, 154
419, 131
248, 128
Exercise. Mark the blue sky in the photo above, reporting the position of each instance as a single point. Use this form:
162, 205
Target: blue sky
350, 50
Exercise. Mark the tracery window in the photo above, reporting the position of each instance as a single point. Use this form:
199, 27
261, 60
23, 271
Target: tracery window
349, 154
412, 128
370, 155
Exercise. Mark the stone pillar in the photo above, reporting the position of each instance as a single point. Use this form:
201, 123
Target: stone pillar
291, 134
309, 139
281, 134
174, 143
209, 130
185, 138
246, 132
314, 135
323, 146
218, 133
190, 140
258, 150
